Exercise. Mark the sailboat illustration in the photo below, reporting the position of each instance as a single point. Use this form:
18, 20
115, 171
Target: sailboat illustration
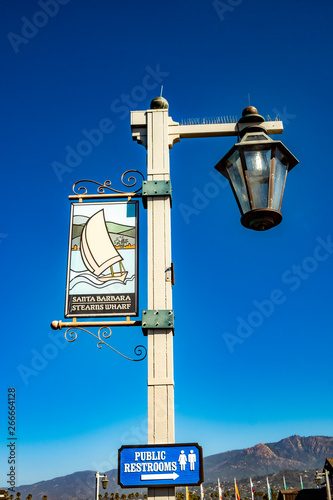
98, 251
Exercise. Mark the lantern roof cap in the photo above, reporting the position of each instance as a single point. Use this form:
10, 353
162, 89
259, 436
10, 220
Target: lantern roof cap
256, 135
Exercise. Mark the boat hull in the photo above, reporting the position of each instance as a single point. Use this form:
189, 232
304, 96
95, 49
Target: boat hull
113, 277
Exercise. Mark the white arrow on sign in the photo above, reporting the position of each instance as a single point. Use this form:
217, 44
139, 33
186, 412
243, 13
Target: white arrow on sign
154, 477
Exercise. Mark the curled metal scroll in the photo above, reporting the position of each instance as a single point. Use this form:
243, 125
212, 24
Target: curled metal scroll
104, 333
131, 181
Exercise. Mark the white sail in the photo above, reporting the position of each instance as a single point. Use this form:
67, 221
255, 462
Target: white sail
97, 250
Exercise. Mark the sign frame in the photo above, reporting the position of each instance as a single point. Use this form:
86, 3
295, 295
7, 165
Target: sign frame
118, 295
162, 482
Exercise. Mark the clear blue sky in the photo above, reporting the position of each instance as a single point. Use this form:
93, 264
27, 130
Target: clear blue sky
62, 72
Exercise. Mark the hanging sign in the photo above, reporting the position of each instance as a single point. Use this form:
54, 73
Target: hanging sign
102, 266
160, 465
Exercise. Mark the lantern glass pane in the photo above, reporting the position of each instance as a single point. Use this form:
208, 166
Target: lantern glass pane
281, 163
236, 177
258, 166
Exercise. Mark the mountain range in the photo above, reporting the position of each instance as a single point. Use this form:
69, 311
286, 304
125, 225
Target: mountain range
292, 453
295, 453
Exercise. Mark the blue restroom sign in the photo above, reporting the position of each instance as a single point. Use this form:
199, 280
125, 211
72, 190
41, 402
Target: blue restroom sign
160, 465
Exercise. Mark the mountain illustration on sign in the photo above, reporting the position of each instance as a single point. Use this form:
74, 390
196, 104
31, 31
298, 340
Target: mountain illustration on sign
98, 251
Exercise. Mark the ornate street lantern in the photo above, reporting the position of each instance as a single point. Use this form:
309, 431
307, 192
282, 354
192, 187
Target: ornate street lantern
104, 482
256, 168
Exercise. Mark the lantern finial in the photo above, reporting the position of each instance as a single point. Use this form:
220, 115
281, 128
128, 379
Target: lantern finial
249, 110
250, 115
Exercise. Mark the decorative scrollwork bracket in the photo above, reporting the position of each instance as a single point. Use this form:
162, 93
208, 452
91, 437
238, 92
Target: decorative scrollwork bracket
106, 191
102, 334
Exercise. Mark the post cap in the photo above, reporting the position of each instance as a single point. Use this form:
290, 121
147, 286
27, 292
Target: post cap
159, 103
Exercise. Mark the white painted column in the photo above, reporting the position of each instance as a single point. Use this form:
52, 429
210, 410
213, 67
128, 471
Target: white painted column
161, 418
152, 131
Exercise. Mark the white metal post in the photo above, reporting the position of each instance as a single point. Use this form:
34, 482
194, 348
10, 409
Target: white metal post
161, 425
97, 485
328, 486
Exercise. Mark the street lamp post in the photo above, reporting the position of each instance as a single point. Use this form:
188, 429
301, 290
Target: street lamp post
105, 481
157, 132
161, 426
319, 477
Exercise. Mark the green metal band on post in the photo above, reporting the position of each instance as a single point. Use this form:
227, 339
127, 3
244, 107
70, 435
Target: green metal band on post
157, 319
155, 188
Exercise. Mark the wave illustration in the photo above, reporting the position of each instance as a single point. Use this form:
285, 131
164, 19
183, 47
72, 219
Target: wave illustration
88, 279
